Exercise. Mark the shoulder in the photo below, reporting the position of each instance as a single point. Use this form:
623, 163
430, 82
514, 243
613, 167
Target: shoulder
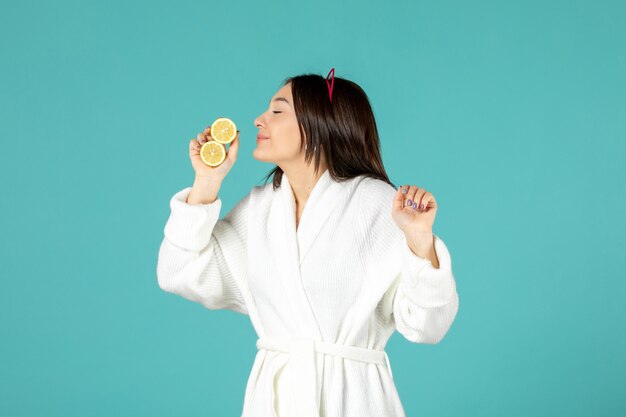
261, 194
375, 202
373, 192
253, 197
375, 208
261, 190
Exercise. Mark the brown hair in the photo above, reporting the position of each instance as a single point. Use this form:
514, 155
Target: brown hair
344, 129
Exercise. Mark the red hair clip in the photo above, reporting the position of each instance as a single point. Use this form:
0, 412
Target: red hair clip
330, 85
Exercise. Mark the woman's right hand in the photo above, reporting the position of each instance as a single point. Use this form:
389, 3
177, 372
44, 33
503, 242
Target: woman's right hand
205, 171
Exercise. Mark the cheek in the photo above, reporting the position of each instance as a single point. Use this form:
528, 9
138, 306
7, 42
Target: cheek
287, 136
286, 144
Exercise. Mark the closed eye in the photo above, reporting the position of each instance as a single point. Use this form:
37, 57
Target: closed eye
277, 112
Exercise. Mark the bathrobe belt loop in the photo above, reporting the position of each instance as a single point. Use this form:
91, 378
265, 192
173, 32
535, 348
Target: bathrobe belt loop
302, 355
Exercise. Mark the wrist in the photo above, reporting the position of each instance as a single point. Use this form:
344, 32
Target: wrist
206, 182
422, 244
204, 191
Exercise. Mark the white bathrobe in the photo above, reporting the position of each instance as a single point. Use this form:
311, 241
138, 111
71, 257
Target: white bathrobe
324, 297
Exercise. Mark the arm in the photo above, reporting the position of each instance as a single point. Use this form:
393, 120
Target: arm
426, 302
198, 251
428, 252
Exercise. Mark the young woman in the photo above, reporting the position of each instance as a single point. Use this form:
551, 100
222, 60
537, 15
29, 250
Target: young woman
327, 260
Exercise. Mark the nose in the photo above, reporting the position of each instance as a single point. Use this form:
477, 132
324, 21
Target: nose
257, 121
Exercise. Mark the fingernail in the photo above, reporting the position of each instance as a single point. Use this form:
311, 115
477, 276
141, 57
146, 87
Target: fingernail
404, 190
414, 205
421, 206
409, 202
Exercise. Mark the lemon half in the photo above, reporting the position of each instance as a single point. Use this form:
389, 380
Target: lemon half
223, 130
213, 153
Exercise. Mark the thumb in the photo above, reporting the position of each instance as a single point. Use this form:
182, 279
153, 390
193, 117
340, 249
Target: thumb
233, 149
398, 200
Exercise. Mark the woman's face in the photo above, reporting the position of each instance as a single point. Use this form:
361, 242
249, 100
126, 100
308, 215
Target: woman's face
280, 126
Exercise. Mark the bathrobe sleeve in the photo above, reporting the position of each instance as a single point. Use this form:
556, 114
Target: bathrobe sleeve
426, 301
192, 260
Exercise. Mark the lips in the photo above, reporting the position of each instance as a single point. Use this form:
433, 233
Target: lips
261, 137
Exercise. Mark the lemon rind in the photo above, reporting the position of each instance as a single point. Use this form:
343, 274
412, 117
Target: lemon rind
219, 119
208, 162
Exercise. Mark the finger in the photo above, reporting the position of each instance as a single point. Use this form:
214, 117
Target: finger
201, 138
405, 190
423, 201
410, 196
233, 149
194, 146
429, 202
398, 198
419, 195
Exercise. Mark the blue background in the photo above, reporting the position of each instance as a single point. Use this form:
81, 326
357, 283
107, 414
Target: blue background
512, 113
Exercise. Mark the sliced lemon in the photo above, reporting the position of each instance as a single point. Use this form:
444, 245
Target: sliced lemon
213, 153
223, 130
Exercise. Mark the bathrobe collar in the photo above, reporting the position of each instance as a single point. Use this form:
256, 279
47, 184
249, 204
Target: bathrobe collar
323, 199
289, 247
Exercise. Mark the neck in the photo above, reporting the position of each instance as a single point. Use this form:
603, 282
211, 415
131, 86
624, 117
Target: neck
302, 181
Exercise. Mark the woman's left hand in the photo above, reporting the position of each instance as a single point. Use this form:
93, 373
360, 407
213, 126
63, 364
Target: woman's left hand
414, 212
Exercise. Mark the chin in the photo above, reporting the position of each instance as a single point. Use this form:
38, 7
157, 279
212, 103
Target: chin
260, 157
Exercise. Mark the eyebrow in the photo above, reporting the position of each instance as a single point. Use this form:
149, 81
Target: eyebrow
280, 99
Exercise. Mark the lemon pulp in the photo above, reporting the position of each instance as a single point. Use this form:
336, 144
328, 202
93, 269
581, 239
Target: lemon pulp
213, 153
223, 130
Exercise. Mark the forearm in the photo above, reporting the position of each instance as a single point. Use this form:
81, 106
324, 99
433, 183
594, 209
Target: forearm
204, 191
423, 245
